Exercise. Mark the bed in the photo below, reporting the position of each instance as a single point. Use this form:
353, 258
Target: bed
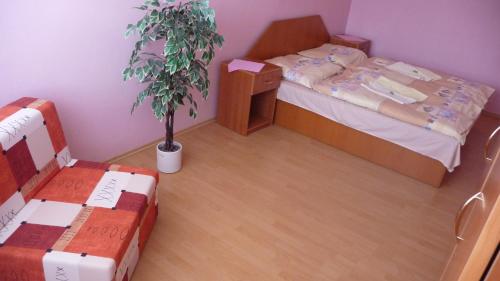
411, 150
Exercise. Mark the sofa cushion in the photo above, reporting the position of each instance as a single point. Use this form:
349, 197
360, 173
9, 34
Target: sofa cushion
32, 150
89, 222
100, 185
95, 233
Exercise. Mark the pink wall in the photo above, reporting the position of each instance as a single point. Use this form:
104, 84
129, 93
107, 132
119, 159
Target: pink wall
72, 52
461, 37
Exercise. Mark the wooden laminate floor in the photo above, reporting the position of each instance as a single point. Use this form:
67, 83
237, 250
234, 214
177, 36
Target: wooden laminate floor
279, 206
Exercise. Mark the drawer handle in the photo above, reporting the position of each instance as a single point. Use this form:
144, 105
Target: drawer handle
269, 82
478, 196
487, 145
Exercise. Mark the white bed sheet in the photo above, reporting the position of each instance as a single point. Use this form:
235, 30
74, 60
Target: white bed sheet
432, 144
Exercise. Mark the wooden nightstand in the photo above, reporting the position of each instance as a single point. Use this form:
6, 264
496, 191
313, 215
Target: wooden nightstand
247, 99
352, 41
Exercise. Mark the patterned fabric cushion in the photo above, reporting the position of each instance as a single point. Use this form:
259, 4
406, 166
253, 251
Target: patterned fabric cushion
305, 71
33, 151
341, 55
82, 220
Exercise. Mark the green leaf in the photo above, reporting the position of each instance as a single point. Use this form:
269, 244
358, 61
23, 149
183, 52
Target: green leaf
171, 48
130, 30
162, 92
155, 16
143, 24
140, 73
172, 64
127, 73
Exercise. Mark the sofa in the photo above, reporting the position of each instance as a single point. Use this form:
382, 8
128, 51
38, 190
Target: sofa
62, 218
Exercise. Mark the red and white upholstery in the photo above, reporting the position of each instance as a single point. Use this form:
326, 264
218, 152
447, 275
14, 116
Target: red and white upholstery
66, 219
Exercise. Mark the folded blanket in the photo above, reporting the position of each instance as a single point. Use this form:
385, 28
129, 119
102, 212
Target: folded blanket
386, 93
414, 71
399, 88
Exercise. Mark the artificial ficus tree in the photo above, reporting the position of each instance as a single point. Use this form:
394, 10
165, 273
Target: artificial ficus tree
189, 32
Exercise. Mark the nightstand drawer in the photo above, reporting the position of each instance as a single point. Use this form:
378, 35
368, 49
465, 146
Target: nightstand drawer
266, 81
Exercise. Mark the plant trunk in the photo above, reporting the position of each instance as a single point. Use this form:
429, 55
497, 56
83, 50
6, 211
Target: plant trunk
169, 129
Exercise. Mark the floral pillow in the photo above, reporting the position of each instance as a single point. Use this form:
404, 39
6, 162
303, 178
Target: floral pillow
337, 54
305, 71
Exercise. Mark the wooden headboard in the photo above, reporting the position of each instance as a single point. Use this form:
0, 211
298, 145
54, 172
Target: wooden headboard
290, 36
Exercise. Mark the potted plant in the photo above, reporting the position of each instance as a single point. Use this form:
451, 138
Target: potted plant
189, 35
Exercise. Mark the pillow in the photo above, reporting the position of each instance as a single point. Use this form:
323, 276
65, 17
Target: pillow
305, 71
337, 54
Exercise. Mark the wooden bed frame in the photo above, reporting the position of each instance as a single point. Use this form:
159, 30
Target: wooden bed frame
293, 35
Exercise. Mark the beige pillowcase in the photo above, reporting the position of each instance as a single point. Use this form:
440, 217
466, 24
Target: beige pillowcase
305, 71
337, 54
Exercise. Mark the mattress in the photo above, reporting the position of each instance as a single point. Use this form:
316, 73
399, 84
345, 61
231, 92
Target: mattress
442, 148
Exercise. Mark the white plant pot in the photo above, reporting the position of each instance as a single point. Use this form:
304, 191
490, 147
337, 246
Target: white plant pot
169, 162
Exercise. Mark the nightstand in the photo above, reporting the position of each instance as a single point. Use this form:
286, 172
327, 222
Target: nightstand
247, 99
352, 41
